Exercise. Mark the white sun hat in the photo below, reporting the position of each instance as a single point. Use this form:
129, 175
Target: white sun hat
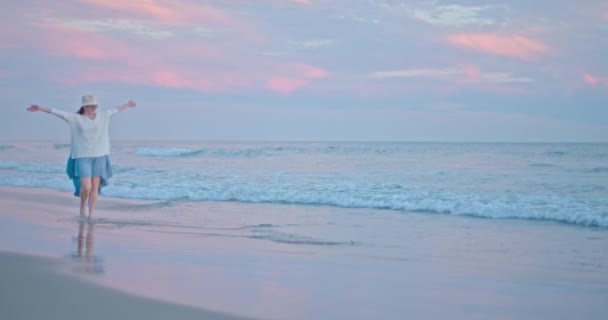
89, 100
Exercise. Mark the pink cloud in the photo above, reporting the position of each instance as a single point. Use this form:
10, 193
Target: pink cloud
594, 80
75, 48
137, 64
471, 72
300, 75
169, 79
179, 63
87, 44
513, 46
162, 77
141, 7
191, 67
179, 80
284, 85
191, 13
302, 2
210, 82
311, 71
168, 11
590, 79
174, 76
75, 43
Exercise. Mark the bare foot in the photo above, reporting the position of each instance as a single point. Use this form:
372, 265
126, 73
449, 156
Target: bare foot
83, 213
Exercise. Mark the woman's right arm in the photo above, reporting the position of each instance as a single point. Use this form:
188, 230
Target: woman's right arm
59, 113
34, 108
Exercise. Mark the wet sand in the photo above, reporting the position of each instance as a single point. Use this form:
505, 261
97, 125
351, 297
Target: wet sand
288, 262
35, 288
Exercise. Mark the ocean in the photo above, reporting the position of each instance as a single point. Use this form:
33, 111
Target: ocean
557, 182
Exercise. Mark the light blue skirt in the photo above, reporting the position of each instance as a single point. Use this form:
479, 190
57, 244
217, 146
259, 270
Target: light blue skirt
89, 167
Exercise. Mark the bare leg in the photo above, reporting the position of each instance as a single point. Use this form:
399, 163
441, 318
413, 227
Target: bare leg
85, 189
93, 195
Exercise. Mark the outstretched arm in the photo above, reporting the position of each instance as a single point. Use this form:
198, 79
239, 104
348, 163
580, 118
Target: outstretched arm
61, 114
34, 108
130, 104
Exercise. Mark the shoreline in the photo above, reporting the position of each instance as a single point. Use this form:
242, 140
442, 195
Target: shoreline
110, 202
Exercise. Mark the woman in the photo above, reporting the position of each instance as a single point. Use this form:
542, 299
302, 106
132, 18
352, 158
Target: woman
89, 164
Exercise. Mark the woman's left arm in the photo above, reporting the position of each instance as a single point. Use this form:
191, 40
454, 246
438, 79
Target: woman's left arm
130, 104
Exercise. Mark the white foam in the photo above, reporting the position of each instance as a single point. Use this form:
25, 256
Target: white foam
167, 152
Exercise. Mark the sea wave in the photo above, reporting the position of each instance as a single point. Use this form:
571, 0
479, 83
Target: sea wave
233, 153
599, 170
56, 183
168, 152
591, 213
541, 165
137, 171
556, 153
265, 151
291, 238
6, 147
30, 167
216, 152
385, 196
54, 169
61, 145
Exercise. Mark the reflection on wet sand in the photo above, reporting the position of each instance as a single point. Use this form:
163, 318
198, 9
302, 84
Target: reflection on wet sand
85, 257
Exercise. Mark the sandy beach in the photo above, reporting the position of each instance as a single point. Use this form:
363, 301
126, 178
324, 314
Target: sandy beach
35, 288
162, 260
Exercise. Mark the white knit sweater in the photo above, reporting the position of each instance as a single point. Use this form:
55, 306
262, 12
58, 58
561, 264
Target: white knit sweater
89, 137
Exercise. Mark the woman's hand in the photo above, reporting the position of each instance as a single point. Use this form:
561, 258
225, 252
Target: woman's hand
34, 108
130, 104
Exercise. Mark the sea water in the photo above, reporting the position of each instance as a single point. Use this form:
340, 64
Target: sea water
560, 182
337, 230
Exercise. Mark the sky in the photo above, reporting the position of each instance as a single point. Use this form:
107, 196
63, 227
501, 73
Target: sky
357, 70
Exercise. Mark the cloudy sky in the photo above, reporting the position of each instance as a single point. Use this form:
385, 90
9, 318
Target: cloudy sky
311, 69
